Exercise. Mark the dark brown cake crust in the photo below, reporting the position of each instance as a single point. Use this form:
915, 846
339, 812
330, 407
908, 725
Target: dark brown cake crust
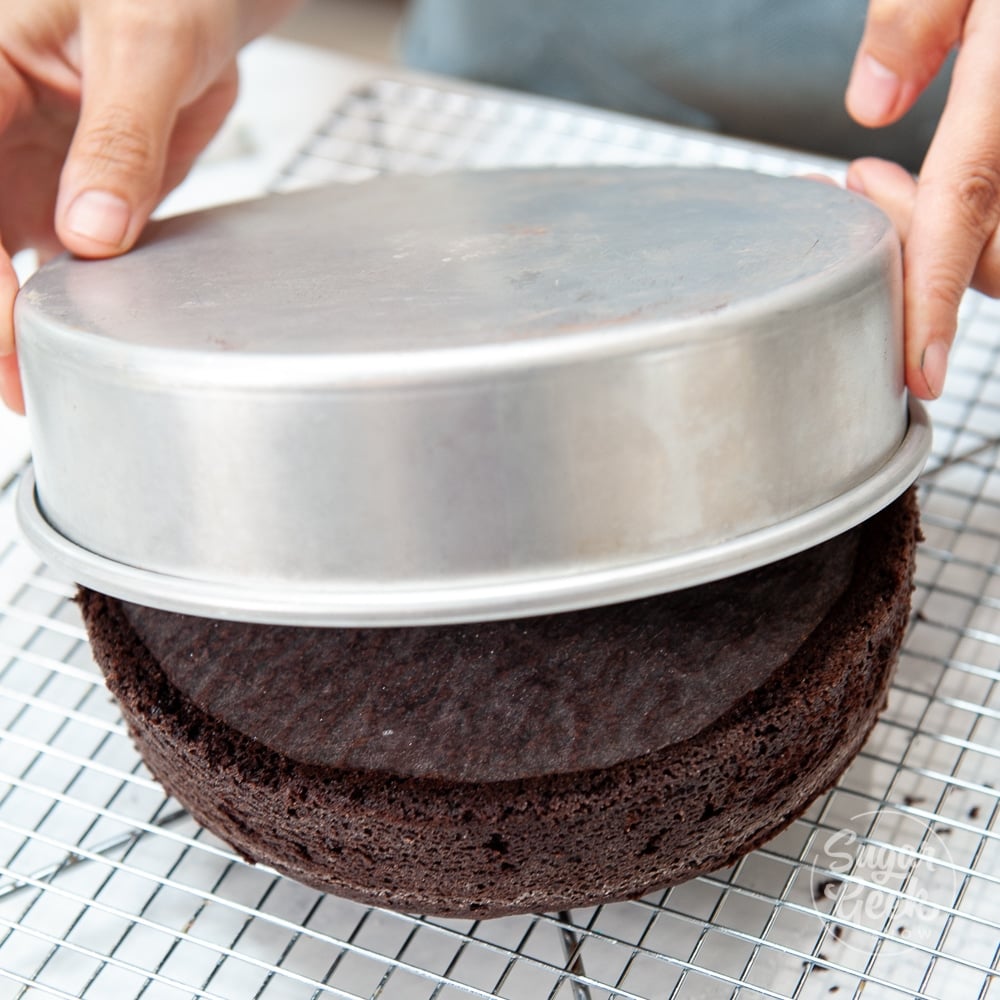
544, 841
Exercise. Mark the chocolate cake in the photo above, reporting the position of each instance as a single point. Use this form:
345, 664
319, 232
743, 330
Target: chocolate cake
524, 765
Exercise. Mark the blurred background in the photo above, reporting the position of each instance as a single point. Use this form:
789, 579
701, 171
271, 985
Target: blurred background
364, 28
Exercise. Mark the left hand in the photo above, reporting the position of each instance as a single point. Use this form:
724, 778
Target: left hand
948, 218
104, 106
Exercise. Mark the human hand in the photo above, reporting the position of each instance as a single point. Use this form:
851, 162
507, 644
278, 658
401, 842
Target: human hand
948, 218
104, 105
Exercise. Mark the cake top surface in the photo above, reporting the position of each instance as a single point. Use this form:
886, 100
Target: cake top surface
509, 699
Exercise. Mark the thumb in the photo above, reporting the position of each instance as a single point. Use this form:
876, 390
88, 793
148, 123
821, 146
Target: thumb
133, 76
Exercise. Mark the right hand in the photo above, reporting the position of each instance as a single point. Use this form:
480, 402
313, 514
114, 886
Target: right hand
949, 218
104, 106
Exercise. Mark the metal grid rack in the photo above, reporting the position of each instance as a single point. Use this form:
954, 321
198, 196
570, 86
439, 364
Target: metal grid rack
889, 885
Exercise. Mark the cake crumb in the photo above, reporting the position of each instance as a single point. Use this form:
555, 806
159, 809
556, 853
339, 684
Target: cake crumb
826, 889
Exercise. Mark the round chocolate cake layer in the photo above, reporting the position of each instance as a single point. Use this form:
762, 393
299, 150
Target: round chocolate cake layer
466, 703
530, 765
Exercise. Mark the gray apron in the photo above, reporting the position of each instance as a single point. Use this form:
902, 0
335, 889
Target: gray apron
773, 70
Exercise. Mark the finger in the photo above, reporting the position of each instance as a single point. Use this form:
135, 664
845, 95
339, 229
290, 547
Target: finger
8, 292
903, 46
894, 190
10, 383
135, 72
957, 207
197, 124
14, 94
887, 184
986, 277
820, 178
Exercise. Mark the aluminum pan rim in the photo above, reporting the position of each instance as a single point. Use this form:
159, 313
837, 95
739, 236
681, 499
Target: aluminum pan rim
465, 600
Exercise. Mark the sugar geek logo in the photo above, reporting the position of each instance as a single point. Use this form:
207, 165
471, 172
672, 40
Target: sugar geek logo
895, 881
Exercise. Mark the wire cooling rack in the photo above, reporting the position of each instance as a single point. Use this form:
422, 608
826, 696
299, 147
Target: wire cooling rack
889, 886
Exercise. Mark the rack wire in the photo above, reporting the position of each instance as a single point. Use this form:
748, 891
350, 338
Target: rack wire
889, 885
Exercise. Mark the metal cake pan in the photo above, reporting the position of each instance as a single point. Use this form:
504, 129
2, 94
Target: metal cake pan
467, 396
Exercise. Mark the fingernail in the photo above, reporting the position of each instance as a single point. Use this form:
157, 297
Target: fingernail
873, 90
855, 183
933, 365
99, 216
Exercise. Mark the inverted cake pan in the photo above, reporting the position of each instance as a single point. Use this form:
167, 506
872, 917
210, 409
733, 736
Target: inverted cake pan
468, 396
